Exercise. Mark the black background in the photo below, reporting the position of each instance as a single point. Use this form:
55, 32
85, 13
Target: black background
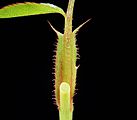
106, 49
29, 44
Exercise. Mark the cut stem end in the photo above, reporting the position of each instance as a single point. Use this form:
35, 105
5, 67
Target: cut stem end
64, 110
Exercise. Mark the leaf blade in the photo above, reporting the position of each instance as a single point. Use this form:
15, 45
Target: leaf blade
29, 8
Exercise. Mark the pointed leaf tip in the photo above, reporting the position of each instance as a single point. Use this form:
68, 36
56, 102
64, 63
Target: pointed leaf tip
77, 29
59, 34
56, 31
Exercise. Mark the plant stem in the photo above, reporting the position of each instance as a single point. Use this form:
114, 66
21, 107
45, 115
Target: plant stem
69, 16
64, 111
66, 96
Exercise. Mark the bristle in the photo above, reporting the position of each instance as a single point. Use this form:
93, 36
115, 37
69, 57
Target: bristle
76, 45
53, 90
53, 73
78, 56
54, 56
53, 68
54, 62
14, 4
53, 96
77, 48
55, 45
54, 51
54, 59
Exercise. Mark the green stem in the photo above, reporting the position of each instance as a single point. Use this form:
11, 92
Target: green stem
65, 101
69, 16
64, 110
